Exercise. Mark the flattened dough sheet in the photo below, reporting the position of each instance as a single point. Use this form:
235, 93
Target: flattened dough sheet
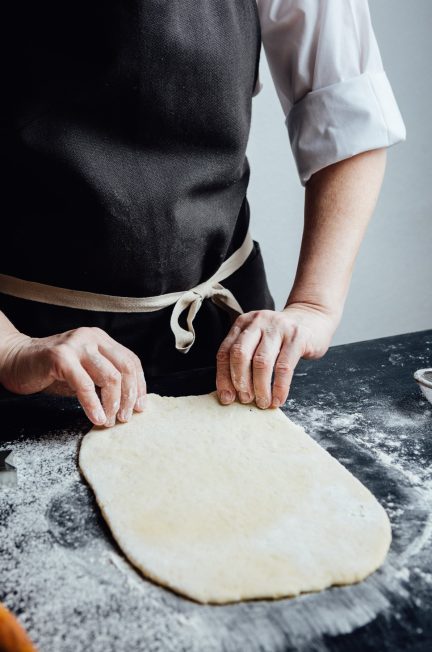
230, 502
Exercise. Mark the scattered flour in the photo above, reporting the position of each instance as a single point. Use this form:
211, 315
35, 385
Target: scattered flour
73, 590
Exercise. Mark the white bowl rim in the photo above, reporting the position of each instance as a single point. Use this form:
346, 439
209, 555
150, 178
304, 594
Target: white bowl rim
419, 377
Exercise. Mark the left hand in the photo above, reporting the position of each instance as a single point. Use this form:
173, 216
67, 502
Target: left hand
262, 340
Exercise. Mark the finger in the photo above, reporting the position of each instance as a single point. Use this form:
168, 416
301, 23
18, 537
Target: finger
289, 355
108, 378
69, 369
117, 353
225, 388
241, 355
125, 361
141, 388
121, 359
262, 367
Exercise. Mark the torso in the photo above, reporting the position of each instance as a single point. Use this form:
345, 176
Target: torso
126, 141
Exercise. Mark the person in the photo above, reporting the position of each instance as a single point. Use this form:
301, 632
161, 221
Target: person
127, 252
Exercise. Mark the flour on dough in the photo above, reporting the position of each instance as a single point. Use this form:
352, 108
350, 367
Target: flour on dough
229, 502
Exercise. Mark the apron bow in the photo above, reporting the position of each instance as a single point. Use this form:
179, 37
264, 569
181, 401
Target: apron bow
193, 299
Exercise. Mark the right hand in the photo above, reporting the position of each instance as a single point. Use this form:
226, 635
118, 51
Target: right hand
75, 363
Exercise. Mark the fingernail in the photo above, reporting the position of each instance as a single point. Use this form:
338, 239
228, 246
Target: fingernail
141, 402
99, 416
226, 397
244, 397
125, 415
262, 402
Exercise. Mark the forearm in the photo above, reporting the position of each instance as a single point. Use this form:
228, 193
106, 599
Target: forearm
8, 335
6, 326
339, 202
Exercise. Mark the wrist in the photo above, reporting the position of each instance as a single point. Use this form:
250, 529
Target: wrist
332, 312
9, 342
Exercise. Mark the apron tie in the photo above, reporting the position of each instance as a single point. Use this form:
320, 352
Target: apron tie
222, 297
192, 299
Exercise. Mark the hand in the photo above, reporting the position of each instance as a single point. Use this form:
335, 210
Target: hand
75, 363
261, 340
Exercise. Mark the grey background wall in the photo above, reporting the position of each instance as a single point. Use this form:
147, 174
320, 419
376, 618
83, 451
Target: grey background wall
391, 291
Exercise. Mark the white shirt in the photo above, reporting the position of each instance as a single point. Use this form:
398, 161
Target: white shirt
328, 73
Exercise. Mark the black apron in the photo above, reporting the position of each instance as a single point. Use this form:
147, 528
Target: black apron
126, 171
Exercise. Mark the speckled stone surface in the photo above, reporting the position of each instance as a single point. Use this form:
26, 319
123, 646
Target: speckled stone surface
70, 586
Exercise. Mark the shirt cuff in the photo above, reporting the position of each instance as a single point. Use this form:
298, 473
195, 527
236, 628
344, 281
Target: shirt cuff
338, 121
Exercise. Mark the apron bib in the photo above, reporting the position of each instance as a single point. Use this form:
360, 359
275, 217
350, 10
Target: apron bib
127, 172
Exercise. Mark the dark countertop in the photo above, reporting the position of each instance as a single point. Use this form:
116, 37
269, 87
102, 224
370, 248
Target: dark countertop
70, 586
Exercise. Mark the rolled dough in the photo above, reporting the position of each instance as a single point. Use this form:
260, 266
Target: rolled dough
229, 502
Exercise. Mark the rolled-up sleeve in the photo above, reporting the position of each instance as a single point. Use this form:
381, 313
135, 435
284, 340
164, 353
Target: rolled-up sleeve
328, 73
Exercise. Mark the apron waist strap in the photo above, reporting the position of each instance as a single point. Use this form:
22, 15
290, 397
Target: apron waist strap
191, 299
